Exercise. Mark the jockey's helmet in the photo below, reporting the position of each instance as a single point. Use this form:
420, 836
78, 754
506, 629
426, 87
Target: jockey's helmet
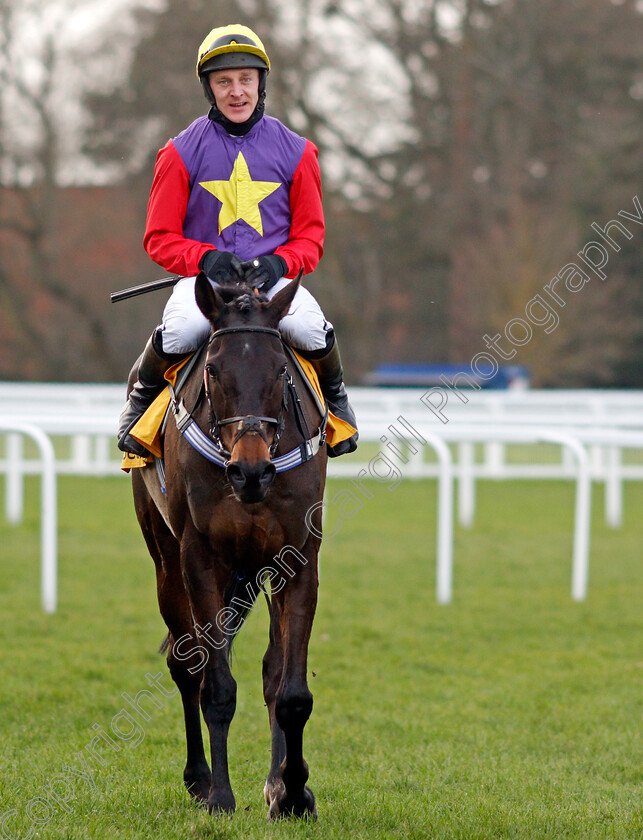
231, 47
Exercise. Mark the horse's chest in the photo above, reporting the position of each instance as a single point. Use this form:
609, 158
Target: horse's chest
242, 535
243, 539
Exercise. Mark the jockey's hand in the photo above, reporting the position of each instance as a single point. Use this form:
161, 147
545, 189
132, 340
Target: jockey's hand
263, 272
221, 267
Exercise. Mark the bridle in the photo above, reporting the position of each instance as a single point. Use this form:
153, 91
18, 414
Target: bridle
249, 422
210, 445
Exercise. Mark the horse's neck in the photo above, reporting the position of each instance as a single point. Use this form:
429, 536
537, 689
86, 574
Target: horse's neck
309, 404
193, 394
194, 390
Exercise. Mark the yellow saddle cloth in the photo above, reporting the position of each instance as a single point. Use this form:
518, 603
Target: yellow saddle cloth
148, 429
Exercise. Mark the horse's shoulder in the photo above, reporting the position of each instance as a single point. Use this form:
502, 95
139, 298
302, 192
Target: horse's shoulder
192, 387
304, 379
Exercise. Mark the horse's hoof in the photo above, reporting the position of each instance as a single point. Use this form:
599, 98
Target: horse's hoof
198, 782
221, 803
273, 789
302, 805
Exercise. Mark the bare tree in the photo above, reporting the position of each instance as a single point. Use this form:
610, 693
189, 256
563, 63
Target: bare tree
57, 329
447, 130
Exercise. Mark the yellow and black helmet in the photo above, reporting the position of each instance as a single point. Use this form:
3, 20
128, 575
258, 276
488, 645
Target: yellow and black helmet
231, 47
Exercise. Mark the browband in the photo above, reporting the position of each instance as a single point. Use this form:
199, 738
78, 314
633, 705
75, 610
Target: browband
224, 330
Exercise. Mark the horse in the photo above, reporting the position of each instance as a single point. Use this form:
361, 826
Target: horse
230, 527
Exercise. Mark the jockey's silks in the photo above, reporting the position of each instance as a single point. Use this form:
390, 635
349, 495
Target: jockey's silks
252, 195
239, 186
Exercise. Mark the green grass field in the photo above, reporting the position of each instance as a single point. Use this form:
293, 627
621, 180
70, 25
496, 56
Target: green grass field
511, 713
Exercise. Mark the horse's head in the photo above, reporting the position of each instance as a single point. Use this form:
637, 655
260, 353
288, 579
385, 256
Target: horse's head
245, 380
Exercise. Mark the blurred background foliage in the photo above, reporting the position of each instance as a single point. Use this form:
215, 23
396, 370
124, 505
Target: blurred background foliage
466, 147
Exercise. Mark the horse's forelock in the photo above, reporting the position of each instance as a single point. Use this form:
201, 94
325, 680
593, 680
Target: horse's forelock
229, 293
242, 300
245, 303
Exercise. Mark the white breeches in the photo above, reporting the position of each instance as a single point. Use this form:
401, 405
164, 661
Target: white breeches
185, 327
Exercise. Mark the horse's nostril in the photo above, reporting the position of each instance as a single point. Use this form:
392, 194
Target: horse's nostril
235, 474
255, 478
269, 472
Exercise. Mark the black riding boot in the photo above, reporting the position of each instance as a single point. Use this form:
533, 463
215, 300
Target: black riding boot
328, 366
150, 371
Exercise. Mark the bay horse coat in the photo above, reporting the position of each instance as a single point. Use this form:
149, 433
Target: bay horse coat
223, 532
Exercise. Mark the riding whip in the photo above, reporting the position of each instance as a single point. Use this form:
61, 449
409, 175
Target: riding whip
144, 288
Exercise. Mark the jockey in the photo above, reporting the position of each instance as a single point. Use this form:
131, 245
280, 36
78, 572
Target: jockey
236, 195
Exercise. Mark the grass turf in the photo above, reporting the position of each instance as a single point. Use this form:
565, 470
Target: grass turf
511, 713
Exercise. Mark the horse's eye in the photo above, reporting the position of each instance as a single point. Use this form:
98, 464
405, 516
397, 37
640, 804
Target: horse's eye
211, 370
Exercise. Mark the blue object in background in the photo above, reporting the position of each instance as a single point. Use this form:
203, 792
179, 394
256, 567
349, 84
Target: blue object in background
428, 376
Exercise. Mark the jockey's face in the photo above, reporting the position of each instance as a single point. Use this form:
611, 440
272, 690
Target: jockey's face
236, 92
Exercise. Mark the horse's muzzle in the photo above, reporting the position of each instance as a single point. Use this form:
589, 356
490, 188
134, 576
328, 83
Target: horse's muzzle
250, 482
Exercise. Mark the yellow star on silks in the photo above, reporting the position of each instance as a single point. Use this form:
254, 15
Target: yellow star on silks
240, 196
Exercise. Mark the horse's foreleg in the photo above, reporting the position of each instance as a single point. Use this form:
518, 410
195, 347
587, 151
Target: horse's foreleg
196, 775
175, 609
272, 670
206, 586
294, 702
218, 702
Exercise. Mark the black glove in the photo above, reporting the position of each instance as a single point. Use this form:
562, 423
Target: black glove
263, 272
221, 267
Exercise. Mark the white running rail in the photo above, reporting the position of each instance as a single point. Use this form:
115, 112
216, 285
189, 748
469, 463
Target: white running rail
594, 430
49, 508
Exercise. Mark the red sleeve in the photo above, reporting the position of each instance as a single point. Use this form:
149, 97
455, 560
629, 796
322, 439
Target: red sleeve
305, 244
164, 240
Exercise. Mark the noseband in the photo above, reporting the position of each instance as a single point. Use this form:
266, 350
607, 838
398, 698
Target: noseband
249, 422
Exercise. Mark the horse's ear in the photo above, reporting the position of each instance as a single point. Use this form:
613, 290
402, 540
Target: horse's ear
280, 303
208, 299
